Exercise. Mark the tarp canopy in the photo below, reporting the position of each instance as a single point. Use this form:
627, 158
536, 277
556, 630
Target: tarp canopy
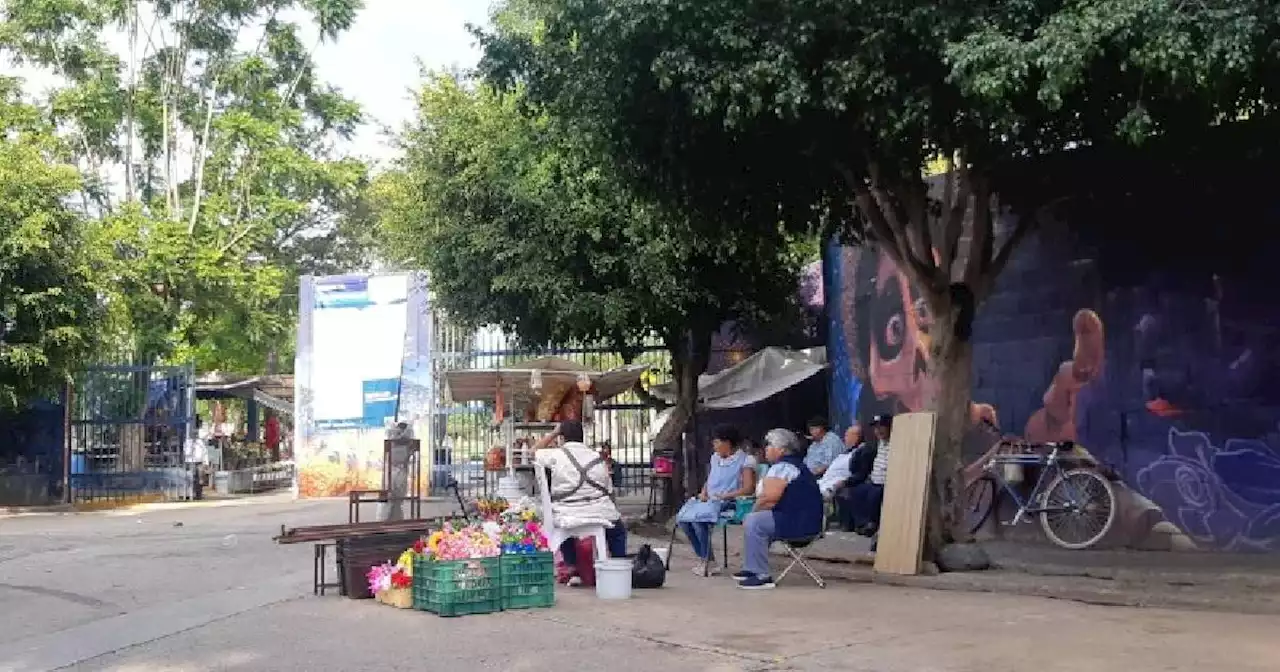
273, 391
482, 384
752, 380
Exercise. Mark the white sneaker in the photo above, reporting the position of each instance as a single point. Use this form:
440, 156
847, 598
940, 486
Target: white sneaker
699, 569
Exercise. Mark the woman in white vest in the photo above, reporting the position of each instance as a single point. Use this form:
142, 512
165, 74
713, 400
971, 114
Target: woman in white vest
581, 488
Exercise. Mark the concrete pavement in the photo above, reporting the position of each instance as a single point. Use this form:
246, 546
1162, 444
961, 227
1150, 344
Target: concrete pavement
137, 591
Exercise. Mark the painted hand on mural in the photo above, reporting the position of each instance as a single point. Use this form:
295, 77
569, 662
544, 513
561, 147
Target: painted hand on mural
1056, 421
1139, 522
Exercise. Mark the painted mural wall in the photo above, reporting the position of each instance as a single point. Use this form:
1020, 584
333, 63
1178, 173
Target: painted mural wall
1155, 345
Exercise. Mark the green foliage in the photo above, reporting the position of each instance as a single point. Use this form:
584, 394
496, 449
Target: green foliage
206, 147
828, 111
48, 306
523, 225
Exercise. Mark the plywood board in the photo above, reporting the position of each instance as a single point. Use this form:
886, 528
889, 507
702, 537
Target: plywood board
902, 518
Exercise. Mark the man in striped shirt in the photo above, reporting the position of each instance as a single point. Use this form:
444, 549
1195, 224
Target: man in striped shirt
868, 495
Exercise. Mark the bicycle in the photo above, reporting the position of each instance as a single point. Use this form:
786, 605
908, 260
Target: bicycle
1076, 499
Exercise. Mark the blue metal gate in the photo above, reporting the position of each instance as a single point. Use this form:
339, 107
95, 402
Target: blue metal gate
127, 430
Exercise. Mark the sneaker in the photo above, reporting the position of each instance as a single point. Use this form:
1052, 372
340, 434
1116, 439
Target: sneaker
756, 583
699, 568
743, 576
574, 581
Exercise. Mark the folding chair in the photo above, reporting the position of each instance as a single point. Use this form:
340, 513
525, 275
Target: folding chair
796, 548
727, 518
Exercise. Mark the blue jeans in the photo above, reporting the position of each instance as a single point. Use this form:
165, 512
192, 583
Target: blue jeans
614, 537
699, 535
757, 533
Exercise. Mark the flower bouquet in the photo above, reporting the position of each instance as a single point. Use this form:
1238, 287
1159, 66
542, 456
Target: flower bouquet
392, 584
457, 572
463, 543
491, 508
522, 512
523, 537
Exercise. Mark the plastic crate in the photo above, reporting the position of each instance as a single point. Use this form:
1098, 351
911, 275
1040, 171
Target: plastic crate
528, 580
459, 587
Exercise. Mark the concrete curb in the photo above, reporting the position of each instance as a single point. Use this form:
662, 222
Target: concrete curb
54, 510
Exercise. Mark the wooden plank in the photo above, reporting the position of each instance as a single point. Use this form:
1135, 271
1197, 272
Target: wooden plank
906, 489
302, 535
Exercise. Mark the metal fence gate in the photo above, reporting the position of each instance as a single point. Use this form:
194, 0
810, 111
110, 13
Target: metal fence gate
462, 433
128, 425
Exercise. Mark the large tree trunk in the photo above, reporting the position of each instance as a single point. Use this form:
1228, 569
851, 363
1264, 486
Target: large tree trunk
952, 373
690, 354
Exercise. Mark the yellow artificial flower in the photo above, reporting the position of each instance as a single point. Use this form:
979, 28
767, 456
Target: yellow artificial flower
406, 562
433, 542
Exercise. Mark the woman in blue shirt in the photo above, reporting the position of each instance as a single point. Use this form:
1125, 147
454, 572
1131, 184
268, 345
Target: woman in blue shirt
731, 474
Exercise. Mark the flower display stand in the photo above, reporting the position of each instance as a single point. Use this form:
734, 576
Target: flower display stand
528, 580
459, 587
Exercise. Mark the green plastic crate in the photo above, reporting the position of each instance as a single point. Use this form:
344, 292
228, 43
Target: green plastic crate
459, 587
528, 580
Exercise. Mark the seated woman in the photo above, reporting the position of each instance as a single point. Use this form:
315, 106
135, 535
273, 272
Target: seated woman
581, 490
789, 507
732, 474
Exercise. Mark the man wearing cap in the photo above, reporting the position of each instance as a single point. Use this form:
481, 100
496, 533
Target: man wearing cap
824, 449
868, 478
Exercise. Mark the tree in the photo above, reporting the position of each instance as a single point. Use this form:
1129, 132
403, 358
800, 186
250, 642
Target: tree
48, 306
522, 226
207, 148
825, 114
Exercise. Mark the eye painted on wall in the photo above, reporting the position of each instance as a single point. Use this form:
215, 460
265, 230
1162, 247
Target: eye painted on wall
889, 323
924, 318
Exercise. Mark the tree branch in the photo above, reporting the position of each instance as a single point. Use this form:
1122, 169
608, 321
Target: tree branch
1024, 225
980, 242
956, 203
893, 238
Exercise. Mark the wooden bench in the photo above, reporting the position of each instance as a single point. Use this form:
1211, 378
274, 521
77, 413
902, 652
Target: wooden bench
327, 536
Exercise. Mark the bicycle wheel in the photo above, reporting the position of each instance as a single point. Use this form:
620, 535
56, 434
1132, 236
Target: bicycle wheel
979, 502
1083, 508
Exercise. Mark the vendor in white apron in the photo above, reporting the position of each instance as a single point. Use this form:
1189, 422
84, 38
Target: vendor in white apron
732, 474
581, 488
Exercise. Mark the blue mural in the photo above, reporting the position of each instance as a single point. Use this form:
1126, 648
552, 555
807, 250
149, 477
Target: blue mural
1158, 356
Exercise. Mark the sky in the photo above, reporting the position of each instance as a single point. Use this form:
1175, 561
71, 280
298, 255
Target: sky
378, 61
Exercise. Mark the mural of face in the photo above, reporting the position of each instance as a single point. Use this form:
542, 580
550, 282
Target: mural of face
898, 361
886, 349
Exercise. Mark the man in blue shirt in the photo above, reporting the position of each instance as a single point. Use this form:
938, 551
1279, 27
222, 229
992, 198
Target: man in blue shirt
825, 448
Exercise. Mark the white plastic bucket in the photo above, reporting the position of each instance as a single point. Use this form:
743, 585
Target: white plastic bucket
613, 579
662, 553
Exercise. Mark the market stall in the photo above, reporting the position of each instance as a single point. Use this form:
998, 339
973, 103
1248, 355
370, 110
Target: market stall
528, 401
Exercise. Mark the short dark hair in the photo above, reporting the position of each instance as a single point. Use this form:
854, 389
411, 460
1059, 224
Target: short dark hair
818, 421
571, 430
726, 433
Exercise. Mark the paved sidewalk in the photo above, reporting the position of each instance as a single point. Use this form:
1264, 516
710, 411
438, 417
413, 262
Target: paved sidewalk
708, 625
203, 589
1206, 581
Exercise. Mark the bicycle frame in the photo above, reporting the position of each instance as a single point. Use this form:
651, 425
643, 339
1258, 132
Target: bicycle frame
1026, 507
